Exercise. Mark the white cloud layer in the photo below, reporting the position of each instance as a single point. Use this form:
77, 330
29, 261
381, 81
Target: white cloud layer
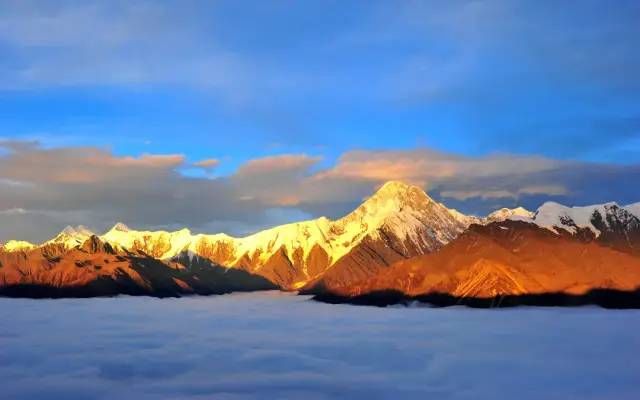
271, 345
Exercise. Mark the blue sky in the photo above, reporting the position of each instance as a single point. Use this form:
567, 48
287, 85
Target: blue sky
240, 81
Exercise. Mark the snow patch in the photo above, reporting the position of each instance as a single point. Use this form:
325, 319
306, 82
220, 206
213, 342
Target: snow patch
634, 209
552, 215
514, 214
18, 245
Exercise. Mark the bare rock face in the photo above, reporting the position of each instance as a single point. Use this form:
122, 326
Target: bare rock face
95, 245
508, 258
317, 262
618, 229
281, 268
366, 260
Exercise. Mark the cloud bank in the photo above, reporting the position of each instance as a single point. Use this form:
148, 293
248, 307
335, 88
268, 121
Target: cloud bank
272, 345
44, 189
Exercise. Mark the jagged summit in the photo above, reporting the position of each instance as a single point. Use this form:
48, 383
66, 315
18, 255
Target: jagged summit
390, 199
94, 245
76, 231
120, 227
597, 217
403, 211
71, 237
398, 189
397, 195
465, 219
518, 213
607, 218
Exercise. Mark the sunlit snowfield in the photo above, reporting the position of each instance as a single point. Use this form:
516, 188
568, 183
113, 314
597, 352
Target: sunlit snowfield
272, 345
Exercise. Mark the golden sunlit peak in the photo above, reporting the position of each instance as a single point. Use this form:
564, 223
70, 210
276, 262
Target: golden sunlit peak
119, 226
396, 187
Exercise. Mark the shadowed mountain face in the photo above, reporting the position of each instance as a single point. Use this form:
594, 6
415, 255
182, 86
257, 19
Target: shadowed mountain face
509, 258
95, 269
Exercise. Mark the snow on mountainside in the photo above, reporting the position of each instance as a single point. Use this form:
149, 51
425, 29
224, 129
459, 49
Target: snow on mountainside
597, 218
608, 224
403, 211
17, 245
397, 209
397, 212
464, 219
634, 209
159, 244
503, 214
71, 237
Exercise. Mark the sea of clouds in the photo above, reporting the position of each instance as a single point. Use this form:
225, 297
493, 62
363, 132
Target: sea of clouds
272, 345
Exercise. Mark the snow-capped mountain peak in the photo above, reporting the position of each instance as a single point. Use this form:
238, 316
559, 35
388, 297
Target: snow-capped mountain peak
465, 219
71, 237
76, 231
597, 217
160, 244
392, 198
518, 213
17, 245
398, 191
120, 227
406, 212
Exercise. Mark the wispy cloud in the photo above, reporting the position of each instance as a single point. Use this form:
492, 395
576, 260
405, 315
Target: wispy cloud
499, 75
548, 190
208, 163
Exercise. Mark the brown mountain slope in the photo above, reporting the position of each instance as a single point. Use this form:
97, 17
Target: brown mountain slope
96, 269
506, 258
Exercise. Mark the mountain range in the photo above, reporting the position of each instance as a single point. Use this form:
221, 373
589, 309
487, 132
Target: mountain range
398, 239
